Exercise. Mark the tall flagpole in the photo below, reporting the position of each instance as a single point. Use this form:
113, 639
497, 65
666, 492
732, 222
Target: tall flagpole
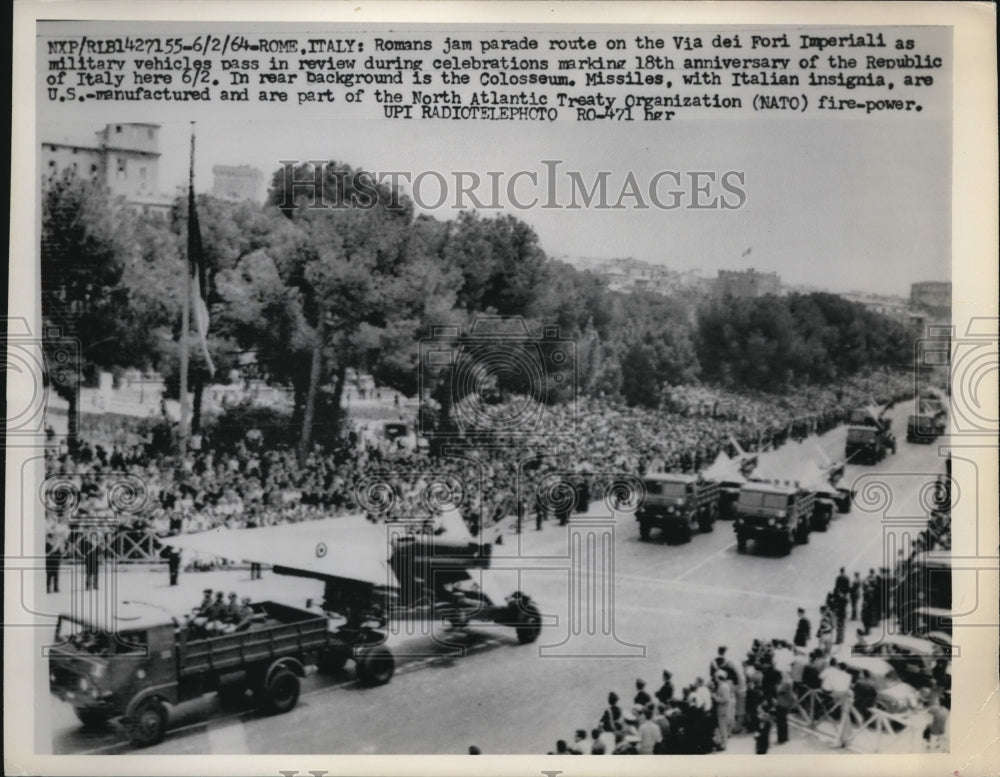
185, 316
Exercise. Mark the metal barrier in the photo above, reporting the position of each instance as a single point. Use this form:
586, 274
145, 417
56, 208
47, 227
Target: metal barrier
838, 721
131, 546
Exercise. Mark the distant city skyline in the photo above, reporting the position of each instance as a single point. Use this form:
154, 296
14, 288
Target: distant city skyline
871, 212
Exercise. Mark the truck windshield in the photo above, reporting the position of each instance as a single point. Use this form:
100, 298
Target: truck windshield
673, 489
130, 642
82, 637
775, 501
861, 435
751, 499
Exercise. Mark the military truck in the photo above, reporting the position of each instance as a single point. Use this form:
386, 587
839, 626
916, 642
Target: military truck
924, 427
869, 436
776, 514
678, 505
869, 444
144, 660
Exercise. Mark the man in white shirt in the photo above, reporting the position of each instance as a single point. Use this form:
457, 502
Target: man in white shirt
701, 697
649, 733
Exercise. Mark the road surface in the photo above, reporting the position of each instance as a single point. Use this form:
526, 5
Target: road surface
660, 607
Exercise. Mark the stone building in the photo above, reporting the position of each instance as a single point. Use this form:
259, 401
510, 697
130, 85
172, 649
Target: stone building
124, 157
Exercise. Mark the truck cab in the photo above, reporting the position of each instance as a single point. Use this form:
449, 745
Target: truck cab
678, 505
924, 427
773, 513
100, 667
869, 436
868, 443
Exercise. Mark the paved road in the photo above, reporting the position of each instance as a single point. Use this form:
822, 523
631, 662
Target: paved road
670, 606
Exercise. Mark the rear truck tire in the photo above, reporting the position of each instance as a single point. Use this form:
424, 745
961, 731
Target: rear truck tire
529, 624
644, 529
91, 718
147, 725
802, 534
685, 532
786, 543
741, 543
376, 665
280, 692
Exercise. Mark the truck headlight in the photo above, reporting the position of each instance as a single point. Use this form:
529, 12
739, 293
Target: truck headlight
781, 514
141, 674
98, 671
770, 521
83, 684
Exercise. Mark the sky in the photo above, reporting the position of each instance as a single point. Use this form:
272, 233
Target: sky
835, 205
858, 203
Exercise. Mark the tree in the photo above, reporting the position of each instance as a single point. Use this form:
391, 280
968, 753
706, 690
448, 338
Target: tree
363, 277
88, 240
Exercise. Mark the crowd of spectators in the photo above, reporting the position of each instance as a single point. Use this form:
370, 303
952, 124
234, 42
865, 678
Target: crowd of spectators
756, 696
489, 477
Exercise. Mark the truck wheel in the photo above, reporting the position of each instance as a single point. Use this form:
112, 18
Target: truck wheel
787, 543
281, 691
707, 522
741, 544
91, 718
376, 665
803, 538
644, 529
685, 532
148, 724
529, 624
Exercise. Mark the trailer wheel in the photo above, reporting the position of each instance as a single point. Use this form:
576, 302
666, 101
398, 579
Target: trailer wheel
529, 624
148, 724
91, 718
281, 691
376, 665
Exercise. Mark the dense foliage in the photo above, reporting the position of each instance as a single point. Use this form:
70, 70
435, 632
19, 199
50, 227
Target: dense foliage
303, 296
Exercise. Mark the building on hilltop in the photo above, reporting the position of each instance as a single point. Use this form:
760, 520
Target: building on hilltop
746, 283
932, 298
888, 305
123, 157
238, 182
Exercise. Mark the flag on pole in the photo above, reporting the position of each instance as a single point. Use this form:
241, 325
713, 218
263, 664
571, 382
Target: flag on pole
199, 282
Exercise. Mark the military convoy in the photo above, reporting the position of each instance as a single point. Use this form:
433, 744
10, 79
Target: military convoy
779, 513
144, 661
